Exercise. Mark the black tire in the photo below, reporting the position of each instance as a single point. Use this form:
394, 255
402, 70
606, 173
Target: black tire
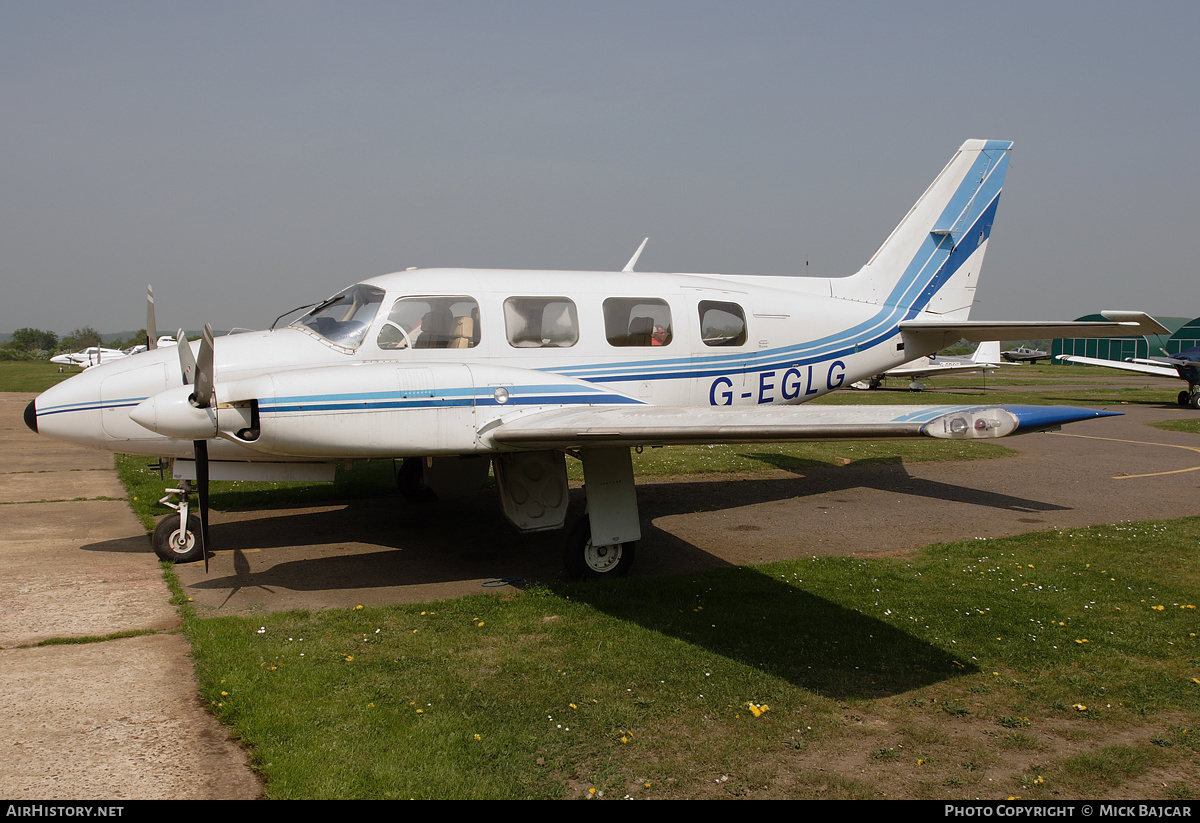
169, 545
410, 478
1185, 398
587, 562
1194, 402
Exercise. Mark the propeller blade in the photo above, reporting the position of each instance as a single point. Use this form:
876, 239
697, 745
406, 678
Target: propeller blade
201, 450
204, 369
187, 361
151, 330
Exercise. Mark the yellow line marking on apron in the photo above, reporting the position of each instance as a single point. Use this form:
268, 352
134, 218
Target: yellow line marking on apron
1140, 443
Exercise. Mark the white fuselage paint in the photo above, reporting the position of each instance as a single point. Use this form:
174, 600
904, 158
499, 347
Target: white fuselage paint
408, 402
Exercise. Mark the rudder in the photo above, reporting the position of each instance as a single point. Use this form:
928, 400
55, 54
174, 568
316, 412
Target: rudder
930, 262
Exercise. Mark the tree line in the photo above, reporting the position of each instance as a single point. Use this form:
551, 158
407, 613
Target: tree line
37, 344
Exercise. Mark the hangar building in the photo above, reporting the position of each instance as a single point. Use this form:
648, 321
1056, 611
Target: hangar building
1185, 334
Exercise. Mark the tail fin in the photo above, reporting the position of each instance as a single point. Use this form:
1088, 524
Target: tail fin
930, 262
988, 352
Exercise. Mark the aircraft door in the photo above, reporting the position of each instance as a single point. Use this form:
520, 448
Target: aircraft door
440, 405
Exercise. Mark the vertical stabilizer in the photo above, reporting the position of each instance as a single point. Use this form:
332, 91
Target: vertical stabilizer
987, 352
930, 262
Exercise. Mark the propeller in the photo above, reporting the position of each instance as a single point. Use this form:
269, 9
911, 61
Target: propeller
187, 361
198, 372
151, 331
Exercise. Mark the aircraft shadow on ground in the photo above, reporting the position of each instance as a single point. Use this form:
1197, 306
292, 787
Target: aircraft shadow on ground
794, 634
806, 639
384, 541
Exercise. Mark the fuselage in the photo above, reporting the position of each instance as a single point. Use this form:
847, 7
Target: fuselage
475, 346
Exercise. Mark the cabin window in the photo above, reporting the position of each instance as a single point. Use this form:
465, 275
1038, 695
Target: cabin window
344, 318
450, 322
722, 324
541, 322
637, 321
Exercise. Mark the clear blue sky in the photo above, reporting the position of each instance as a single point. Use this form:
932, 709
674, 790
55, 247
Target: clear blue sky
247, 157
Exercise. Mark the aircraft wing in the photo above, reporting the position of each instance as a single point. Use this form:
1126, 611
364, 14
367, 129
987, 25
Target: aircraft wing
1121, 324
595, 426
1142, 368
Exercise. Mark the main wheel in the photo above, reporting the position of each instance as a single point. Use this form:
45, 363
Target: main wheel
586, 561
1194, 402
1185, 398
170, 544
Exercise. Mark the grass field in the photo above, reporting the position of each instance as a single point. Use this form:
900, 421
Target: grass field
1046, 666
31, 375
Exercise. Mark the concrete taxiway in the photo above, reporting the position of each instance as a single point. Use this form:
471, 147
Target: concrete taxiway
113, 719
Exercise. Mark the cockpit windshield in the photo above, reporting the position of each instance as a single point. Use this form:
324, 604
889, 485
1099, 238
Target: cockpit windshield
344, 318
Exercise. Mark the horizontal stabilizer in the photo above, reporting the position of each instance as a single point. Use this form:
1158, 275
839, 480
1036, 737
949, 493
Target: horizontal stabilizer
1120, 324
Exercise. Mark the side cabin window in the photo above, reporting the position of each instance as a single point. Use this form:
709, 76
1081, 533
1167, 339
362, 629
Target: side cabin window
541, 322
344, 318
637, 321
722, 324
449, 322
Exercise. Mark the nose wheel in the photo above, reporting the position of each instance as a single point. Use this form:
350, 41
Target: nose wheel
178, 544
177, 537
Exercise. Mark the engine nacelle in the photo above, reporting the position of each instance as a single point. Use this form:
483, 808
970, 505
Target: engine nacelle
174, 414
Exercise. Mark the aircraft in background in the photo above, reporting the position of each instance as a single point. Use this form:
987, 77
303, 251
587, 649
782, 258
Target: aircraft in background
91, 356
95, 355
985, 358
458, 371
163, 340
1024, 354
1182, 366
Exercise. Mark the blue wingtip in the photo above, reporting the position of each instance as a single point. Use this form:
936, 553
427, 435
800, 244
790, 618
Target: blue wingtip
1040, 418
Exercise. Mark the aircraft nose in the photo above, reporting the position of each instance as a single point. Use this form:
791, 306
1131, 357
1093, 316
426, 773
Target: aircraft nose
31, 416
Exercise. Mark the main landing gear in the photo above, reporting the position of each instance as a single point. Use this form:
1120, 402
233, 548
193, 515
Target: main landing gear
587, 561
1190, 397
534, 494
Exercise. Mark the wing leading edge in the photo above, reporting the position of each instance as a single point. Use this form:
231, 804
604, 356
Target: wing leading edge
667, 426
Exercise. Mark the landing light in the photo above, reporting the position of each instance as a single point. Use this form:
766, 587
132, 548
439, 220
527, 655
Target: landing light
973, 423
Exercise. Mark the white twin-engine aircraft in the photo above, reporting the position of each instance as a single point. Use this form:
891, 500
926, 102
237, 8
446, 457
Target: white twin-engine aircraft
459, 370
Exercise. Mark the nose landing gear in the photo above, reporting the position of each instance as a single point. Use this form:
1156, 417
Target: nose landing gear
177, 537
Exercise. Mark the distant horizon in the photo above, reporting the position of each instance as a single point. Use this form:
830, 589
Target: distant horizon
244, 158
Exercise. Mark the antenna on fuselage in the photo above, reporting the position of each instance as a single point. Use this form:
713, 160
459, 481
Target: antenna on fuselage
636, 255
